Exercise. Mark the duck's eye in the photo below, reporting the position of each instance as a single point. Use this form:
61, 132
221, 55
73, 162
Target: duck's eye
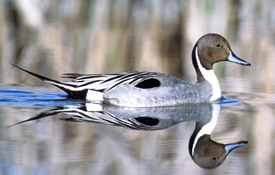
218, 45
214, 158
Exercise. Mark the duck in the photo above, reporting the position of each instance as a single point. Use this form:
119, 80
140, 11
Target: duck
149, 89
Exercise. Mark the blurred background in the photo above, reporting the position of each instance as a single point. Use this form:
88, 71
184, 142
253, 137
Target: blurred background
107, 36
51, 37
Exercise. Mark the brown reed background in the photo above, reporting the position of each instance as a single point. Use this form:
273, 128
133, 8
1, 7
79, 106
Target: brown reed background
52, 37
92, 36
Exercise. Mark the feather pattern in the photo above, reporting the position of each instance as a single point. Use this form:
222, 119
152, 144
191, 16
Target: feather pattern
85, 86
106, 82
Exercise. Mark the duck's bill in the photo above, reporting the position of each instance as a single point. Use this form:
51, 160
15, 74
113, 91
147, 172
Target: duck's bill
233, 58
230, 147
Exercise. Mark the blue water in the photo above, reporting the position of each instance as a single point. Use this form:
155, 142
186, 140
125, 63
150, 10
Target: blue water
39, 136
20, 96
23, 96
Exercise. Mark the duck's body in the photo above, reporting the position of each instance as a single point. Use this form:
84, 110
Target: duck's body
144, 89
169, 93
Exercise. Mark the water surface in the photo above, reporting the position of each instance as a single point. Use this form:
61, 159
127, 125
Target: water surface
52, 144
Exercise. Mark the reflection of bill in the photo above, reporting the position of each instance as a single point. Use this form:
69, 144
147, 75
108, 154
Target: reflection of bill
204, 151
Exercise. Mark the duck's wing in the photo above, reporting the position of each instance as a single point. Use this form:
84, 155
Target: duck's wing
106, 82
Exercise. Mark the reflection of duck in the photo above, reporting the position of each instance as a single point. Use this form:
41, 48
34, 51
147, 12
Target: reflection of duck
204, 151
144, 89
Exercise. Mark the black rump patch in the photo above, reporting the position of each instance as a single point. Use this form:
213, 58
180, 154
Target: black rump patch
76, 94
149, 83
147, 121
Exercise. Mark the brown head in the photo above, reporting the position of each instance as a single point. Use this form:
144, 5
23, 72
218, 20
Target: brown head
212, 48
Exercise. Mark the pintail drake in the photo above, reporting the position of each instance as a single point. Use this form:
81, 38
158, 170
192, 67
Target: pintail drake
146, 89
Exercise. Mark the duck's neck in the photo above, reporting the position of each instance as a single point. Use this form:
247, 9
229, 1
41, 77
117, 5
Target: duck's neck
208, 75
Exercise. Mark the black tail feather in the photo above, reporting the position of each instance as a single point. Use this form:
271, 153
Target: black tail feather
67, 87
36, 75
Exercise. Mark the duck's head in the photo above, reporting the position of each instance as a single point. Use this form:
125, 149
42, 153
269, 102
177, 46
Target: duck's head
210, 154
212, 48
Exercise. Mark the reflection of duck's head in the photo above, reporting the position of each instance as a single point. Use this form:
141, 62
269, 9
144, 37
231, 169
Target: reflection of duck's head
204, 151
210, 154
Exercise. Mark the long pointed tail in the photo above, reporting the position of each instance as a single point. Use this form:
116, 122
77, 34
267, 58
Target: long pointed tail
48, 80
69, 88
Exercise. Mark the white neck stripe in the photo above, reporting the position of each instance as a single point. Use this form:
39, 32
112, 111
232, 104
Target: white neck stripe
210, 76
